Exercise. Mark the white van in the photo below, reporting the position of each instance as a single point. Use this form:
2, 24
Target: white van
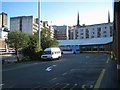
51, 53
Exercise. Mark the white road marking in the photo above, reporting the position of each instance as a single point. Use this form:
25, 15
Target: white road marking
50, 68
91, 86
54, 87
65, 86
108, 60
57, 83
73, 86
87, 56
1, 84
72, 69
54, 65
83, 86
64, 74
54, 79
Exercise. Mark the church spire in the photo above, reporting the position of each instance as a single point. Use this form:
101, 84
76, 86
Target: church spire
108, 17
78, 23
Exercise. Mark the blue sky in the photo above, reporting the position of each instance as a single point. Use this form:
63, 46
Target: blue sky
62, 13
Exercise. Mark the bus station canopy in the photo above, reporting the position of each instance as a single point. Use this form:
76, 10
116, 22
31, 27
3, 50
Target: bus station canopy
92, 41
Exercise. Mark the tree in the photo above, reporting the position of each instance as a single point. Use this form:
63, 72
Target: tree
17, 40
33, 50
47, 40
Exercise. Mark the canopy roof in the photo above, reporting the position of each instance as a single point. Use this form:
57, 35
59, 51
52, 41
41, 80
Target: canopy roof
92, 41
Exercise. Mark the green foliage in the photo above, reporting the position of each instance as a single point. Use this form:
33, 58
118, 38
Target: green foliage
32, 51
17, 39
46, 40
30, 44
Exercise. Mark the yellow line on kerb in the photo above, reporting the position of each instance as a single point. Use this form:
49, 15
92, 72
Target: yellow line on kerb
97, 85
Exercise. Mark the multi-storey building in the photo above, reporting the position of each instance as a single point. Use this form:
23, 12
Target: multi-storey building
71, 32
93, 31
27, 24
61, 32
3, 19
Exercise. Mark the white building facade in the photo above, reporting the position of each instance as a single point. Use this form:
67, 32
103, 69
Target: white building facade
3, 34
93, 31
3, 25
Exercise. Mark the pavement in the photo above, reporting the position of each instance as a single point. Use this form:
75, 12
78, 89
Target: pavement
110, 77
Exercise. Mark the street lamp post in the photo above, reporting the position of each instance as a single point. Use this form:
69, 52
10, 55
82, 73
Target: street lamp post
39, 28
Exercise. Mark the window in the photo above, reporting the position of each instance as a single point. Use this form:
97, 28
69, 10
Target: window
111, 31
105, 27
87, 30
104, 35
99, 29
81, 33
81, 37
104, 31
93, 32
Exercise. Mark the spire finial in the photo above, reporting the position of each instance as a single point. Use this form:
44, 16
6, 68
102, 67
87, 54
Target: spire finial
108, 16
78, 20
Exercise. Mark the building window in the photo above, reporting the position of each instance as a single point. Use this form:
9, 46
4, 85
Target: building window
93, 32
81, 30
104, 35
111, 31
92, 37
104, 31
87, 33
21, 24
81, 33
99, 29
105, 27
81, 37
87, 30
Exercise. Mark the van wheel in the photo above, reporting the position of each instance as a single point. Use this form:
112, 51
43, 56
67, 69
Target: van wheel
59, 58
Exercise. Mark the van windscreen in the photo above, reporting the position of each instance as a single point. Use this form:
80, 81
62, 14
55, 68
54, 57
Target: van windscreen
47, 52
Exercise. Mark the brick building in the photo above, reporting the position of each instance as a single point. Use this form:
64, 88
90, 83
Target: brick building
116, 40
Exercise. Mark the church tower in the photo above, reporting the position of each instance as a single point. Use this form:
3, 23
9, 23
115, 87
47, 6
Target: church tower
78, 22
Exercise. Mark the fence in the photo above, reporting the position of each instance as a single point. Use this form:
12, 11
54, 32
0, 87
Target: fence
7, 51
